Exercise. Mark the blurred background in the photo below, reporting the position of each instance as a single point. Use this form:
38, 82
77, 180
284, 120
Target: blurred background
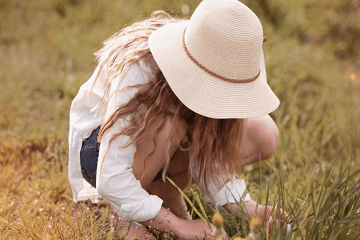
46, 53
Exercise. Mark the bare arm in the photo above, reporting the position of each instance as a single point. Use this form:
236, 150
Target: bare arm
265, 214
260, 140
167, 222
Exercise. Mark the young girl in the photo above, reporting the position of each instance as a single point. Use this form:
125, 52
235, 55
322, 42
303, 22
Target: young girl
187, 99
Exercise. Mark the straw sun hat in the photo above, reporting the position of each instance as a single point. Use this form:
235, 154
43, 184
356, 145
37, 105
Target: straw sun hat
214, 62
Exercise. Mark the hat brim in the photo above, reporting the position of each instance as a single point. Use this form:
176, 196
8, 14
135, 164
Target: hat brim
202, 92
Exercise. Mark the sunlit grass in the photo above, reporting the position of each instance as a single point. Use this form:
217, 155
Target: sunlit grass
312, 57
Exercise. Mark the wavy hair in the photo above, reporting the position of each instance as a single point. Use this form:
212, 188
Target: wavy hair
215, 143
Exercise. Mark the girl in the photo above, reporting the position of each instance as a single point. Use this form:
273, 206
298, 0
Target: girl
182, 98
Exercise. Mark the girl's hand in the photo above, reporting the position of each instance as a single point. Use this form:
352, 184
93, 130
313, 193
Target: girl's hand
196, 229
266, 214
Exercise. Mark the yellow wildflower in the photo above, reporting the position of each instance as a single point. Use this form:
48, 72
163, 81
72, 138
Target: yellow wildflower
217, 219
352, 77
254, 222
239, 238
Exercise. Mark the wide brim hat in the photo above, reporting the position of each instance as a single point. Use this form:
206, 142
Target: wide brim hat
214, 62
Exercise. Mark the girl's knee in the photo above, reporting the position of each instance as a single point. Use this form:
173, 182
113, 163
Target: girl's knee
263, 135
269, 135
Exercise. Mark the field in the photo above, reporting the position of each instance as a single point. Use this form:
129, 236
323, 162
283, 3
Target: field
312, 57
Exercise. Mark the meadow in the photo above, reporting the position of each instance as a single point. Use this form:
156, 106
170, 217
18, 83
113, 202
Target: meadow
312, 58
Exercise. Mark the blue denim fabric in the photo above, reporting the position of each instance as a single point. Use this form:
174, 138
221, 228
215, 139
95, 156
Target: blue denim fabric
89, 155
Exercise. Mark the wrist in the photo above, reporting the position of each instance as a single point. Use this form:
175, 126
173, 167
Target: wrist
231, 207
179, 227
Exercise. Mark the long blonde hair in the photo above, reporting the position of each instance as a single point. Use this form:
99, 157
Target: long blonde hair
215, 143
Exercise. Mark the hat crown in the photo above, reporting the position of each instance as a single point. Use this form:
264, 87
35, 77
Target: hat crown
226, 37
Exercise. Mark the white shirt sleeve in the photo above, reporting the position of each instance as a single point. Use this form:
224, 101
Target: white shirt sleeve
232, 192
221, 192
115, 181
82, 122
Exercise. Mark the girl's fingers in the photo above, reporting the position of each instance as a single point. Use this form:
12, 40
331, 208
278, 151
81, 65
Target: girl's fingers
269, 216
224, 235
269, 224
281, 214
278, 213
266, 216
288, 229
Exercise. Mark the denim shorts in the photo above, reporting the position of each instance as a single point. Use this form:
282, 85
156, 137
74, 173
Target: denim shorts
89, 155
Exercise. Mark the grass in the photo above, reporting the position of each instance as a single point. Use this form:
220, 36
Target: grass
312, 58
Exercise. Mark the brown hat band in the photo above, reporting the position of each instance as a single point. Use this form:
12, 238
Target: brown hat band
213, 73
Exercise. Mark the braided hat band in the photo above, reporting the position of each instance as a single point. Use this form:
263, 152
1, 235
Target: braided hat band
214, 73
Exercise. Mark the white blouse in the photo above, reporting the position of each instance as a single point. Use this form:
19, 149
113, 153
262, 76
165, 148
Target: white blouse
115, 181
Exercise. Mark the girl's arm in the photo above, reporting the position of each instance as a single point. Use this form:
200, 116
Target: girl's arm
265, 214
259, 142
167, 222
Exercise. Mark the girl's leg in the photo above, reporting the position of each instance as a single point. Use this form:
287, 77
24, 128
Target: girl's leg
259, 142
260, 137
177, 168
168, 193
171, 196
